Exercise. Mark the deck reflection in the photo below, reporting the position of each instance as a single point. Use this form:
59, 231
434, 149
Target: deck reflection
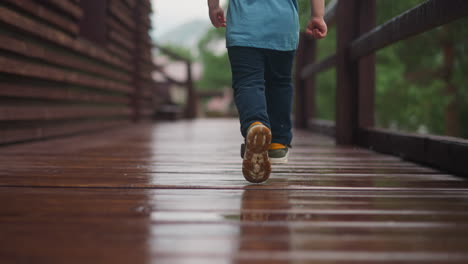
174, 193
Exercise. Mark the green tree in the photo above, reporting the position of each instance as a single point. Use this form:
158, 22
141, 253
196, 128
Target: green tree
216, 67
420, 82
178, 51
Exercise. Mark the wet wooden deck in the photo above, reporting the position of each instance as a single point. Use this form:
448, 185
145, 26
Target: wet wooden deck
174, 193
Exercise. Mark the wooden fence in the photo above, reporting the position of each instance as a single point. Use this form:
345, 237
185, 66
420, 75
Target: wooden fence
68, 66
358, 39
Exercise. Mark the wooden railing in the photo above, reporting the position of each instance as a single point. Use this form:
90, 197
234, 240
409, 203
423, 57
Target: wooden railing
357, 40
190, 110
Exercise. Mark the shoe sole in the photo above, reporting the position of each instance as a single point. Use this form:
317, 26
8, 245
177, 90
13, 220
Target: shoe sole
256, 166
279, 160
282, 160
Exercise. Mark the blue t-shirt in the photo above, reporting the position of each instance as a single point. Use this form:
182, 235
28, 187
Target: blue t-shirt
268, 24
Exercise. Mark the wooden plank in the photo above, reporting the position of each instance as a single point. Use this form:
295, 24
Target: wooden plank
116, 159
442, 152
121, 41
114, 25
125, 55
31, 26
113, 224
130, 3
56, 93
92, 24
31, 49
46, 14
68, 7
24, 68
426, 16
45, 131
122, 14
325, 127
50, 112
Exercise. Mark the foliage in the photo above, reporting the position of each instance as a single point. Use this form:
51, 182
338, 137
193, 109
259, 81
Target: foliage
411, 86
183, 52
410, 89
325, 82
217, 70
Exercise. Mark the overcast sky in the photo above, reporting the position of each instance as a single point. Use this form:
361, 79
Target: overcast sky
168, 14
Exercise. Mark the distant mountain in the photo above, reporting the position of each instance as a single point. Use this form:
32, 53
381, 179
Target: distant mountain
186, 35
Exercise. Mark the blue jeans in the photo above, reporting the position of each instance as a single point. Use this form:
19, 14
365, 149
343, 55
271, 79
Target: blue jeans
261, 79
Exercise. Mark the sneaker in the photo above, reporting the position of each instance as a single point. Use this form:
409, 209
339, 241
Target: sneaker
278, 153
276, 156
256, 166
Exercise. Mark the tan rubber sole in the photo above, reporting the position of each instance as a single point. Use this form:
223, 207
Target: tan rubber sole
256, 166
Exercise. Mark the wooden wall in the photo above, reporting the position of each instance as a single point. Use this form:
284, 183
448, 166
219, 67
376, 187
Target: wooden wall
69, 66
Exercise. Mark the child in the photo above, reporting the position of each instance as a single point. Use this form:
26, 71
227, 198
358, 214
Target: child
262, 36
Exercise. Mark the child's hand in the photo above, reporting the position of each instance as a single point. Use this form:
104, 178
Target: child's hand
317, 28
217, 17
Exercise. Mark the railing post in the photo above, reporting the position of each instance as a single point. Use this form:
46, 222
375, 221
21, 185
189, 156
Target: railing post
367, 21
304, 92
309, 82
355, 79
191, 107
347, 73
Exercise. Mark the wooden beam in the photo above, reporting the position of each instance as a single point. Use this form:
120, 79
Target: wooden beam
426, 16
317, 67
330, 12
325, 127
44, 131
446, 153
48, 112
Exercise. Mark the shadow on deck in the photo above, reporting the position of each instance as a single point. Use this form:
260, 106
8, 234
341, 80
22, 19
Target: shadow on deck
174, 193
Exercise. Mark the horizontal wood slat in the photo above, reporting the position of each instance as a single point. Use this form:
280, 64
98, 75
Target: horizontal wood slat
33, 27
120, 40
119, 12
33, 50
47, 131
426, 16
68, 7
56, 74
49, 112
46, 14
173, 192
446, 153
118, 51
57, 70
113, 24
65, 94
325, 127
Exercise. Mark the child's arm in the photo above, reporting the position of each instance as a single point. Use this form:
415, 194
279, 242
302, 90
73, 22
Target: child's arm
216, 14
317, 26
